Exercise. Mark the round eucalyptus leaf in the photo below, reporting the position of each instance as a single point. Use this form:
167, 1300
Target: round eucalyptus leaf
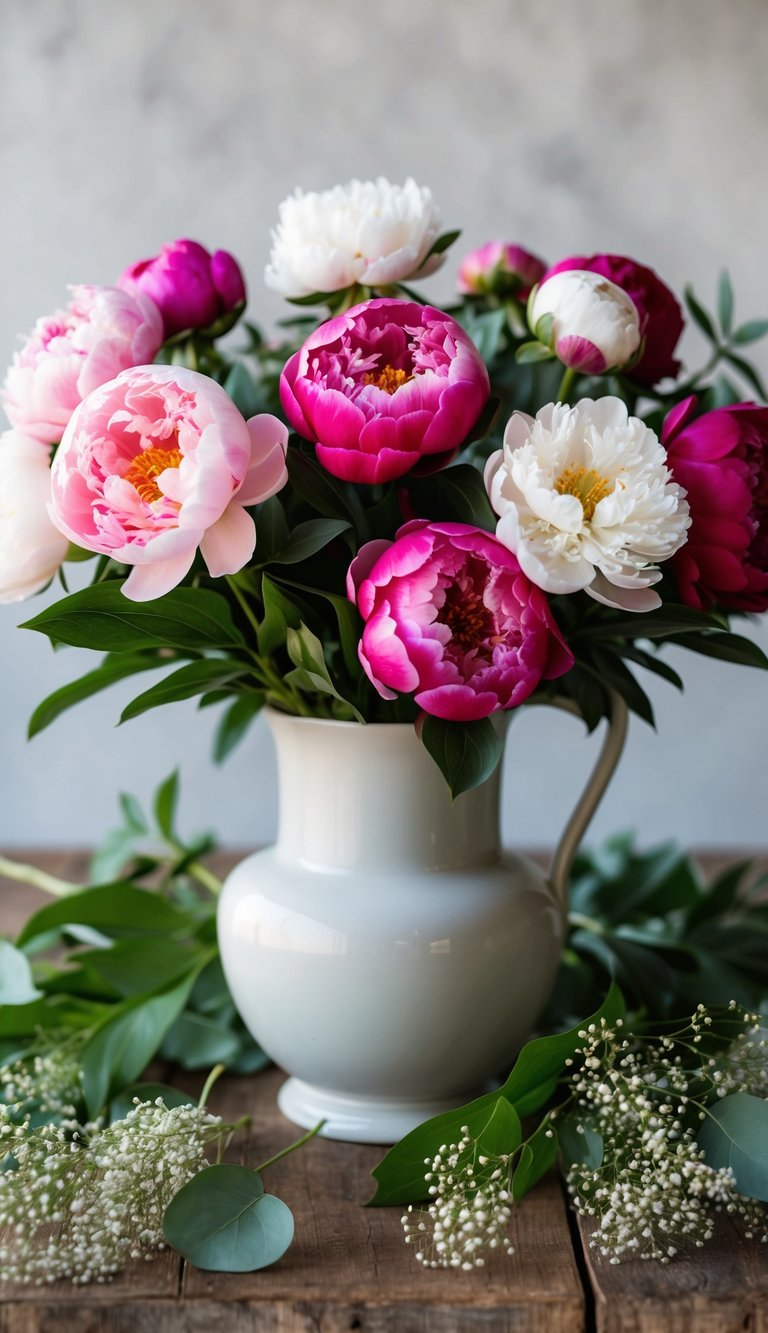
222, 1221
735, 1134
16, 984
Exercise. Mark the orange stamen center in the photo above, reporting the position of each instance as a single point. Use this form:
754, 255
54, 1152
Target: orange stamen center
146, 468
588, 487
387, 379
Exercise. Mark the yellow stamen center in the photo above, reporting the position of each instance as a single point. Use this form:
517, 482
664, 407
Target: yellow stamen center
468, 619
387, 379
588, 487
146, 468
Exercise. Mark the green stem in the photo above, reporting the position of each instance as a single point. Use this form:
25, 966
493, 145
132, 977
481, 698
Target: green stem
215, 1074
205, 877
242, 601
26, 874
566, 384
291, 1147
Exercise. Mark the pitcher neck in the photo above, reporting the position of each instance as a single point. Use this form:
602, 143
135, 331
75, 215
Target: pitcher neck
354, 795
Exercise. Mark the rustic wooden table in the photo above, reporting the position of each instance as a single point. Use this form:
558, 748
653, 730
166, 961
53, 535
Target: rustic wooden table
349, 1268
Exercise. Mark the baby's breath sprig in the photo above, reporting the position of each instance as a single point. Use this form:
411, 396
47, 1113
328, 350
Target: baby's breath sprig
470, 1209
85, 1198
642, 1100
45, 1080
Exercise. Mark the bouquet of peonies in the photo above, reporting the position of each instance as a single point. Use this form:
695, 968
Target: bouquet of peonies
391, 510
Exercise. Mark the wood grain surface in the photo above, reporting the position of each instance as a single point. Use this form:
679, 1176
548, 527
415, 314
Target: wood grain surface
349, 1268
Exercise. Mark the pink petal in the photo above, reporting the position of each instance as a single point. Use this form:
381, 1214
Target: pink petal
145, 582
230, 542
267, 473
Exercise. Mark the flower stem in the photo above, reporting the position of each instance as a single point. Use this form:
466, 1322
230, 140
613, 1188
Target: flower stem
205, 877
215, 1074
310, 1134
26, 874
566, 384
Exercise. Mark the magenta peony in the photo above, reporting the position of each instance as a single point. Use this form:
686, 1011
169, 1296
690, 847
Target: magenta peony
383, 385
158, 462
661, 319
721, 458
191, 287
501, 269
68, 354
451, 619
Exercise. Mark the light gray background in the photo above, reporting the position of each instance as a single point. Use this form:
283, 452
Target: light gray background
638, 127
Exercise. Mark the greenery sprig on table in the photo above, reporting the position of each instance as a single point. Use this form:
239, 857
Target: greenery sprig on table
135, 976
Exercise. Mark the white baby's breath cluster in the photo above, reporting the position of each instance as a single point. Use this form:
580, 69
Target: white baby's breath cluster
470, 1209
85, 1198
47, 1079
653, 1193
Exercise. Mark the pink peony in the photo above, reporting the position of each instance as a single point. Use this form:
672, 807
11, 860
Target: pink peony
381, 386
191, 287
68, 354
158, 462
451, 619
31, 548
500, 268
661, 319
721, 458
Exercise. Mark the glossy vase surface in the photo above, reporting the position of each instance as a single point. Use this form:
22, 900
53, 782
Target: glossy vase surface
386, 952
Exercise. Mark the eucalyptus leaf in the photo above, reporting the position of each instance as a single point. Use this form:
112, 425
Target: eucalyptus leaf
735, 1134
223, 1222
16, 984
750, 332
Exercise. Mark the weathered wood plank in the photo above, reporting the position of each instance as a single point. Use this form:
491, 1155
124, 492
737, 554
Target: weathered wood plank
721, 1288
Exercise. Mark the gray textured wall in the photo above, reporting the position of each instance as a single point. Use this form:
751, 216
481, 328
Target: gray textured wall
638, 127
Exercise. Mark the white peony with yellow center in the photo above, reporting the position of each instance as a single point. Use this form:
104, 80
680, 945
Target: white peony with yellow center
585, 500
368, 232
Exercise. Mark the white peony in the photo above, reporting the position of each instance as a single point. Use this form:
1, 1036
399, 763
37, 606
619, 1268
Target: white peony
595, 324
367, 232
31, 548
586, 501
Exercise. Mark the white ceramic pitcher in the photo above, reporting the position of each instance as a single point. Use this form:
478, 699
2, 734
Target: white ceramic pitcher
386, 952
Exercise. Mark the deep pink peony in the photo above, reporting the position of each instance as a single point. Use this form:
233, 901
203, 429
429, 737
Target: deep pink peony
721, 458
158, 462
500, 268
451, 619
661, 318
383, 385
191, 287
68, 354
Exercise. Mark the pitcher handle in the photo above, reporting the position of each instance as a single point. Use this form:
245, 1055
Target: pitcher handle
605, 765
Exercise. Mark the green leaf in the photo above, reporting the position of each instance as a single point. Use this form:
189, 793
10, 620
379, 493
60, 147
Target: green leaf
579, 1143
537, 1155
442, 243
26, 1020
194, 678
455, 495
16, 984
750, 332
326, 494
700, 316
465, 752
101, 617
132, 813
120, 910
165, 803
612, 671
111, 671
668, 620
120, 1050
272, 528
727, 647
122, 1104
311, 674
531, 352
735, 1135
223, 1222
652, 663
196, 1041
486, 332
148, 963
309, 538
720, 896
242, 389
725, 303
235, 723
502, 1132
748, 373
400, 1174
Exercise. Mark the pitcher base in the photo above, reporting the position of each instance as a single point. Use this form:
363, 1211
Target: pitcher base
358, 1119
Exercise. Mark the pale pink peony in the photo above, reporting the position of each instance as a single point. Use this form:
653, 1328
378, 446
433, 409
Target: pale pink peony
158, 462
31, 548
68, 354
452, 620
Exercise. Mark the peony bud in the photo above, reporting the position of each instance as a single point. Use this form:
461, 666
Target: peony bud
590, 323
191, 287
500, 269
